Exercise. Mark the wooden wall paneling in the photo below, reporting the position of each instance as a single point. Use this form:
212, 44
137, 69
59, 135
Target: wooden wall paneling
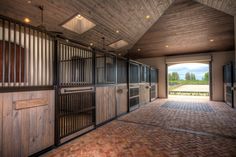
121, 99
105, 104
29, 130
7, 125
144, 93
1, 120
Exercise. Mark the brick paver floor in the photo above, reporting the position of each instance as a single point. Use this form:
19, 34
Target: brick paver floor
160, 129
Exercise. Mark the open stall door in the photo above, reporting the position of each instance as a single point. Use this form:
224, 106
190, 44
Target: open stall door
75, 106
228, 71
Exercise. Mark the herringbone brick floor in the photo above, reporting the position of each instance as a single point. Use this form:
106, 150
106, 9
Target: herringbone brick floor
160, 129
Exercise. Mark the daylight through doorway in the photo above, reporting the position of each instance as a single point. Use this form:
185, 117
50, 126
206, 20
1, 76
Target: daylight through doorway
189, 80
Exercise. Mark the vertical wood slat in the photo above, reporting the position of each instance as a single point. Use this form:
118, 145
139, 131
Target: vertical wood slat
7, 125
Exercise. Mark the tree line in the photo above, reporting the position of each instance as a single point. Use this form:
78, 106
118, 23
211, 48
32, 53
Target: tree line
174, 76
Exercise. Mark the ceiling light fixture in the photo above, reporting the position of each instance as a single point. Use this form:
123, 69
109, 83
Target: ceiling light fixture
117, 31
79, 17
167, 46
139, 50
211, 40
91, 44
119, 54
26, 20
29, 1
148, 17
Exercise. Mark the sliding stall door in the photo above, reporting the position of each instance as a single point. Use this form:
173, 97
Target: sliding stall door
76, 92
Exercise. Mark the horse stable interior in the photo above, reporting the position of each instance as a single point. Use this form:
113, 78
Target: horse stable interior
90, 78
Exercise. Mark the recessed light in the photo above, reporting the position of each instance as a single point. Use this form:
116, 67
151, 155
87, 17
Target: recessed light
29, 1
148, 17
91, 44
26, 20
117, 31
79, 17
211, 40
138, 50
167, 46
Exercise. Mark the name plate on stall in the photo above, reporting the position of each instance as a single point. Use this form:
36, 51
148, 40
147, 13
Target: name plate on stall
21, 104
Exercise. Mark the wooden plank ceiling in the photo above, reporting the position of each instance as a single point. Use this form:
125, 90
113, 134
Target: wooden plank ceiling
227, 6
126, 16
186, 27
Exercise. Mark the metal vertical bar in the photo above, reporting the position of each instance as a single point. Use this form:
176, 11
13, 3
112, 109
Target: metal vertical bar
14, 55
42, 60
37, 83
3, 55
33, 60
25, 57
20, 70
46, 60
9, 53
29, 53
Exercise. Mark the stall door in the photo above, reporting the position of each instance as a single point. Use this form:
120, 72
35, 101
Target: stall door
134, 79
121, 87
75, 107
228, 84
153, 83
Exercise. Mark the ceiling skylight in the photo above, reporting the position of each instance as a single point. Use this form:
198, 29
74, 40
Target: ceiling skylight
78, 24
118, 44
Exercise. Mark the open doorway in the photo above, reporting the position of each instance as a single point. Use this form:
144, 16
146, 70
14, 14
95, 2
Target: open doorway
189, 80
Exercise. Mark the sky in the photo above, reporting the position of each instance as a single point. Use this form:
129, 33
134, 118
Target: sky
197, 68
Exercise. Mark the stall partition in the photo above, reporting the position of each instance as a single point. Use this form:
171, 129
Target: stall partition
122, 87
134, 79
228, 71
54, 89
105, 87
26, 86
153, 83
144, 87
75, 91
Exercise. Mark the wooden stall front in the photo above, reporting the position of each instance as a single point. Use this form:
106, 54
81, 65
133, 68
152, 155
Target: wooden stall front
54, 89
105, 87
